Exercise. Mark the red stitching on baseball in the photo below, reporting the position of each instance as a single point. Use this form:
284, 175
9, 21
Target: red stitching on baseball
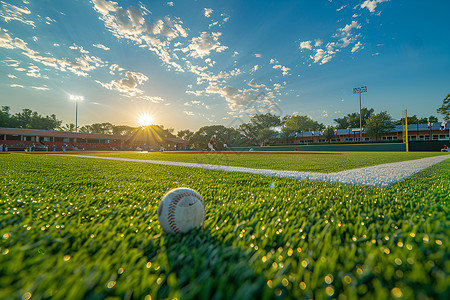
172, 207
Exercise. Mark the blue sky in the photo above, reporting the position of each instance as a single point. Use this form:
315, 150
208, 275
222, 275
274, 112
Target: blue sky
194, 63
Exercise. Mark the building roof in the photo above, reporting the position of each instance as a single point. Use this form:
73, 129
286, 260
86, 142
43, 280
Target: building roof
79, 135
54, 133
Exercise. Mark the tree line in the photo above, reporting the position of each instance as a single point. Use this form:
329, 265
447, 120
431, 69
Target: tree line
261, 128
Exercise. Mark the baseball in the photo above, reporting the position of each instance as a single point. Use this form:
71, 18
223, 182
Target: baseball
180, 210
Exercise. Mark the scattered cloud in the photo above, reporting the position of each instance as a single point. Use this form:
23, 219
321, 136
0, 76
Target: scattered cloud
11, 12
12, 76
128, 85
115, 68
257, 55
371, 5
284, 69
78, 48
208, 12
356, 47
100, 46
189, 113
129, 23
342, 7
33, 71
344, 36
255, 85
152, 99
17, 85
306, 45
169, 3
203, 45
40, 88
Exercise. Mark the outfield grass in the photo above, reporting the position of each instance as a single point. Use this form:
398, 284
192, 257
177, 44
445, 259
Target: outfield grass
85, 229
323, 163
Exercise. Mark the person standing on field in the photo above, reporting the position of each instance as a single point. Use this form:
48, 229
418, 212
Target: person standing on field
211, 142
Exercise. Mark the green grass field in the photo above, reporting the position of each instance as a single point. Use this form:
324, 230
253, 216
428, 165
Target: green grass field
76, 228
290, 162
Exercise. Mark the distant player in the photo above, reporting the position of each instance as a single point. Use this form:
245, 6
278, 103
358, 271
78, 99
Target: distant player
225, 145
211, 142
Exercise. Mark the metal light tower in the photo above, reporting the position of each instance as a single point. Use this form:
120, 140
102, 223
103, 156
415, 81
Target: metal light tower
76, 99
360, 90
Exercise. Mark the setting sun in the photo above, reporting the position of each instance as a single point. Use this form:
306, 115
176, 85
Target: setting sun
145, 120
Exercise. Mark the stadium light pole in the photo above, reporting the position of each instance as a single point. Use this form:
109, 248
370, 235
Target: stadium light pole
76, 99
360, 90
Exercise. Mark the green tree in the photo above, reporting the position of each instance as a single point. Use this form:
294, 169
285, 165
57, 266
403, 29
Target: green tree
201, 137
352, 120
378, 124
122, 130
302, 123
433, 119
185, 134
68, 127
5, 117
445, 108
411, 120
23, 119
265, 135
259, 122
44, 123
328, 133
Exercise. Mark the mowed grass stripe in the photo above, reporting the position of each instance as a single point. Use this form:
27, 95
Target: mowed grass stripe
320, 163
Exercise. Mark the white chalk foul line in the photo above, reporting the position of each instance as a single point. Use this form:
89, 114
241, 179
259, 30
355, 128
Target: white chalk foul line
376, 176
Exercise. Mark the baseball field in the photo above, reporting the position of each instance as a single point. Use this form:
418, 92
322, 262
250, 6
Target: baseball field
79, 228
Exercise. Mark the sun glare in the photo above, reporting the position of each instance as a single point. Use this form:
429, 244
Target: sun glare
145, 120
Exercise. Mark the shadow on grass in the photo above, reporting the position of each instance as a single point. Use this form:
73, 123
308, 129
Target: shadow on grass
203, 267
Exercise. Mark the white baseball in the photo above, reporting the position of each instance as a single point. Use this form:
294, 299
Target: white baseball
180, 210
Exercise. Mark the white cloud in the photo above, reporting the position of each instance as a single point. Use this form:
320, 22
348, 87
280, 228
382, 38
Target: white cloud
127, 85
189, 113
208, 12
284, 69
347, 28
203, 45
152, 99
356, 47
273, 61
195, 93
12, 76
40, 88
169, 3
129, 23
324, 114
255, 68
317, 42
255, 85
257, 55
342, 7
16, 85
115, 68
11, 62
100, 46
372, 4
33, 71
11, 12
306, 45
78, 48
